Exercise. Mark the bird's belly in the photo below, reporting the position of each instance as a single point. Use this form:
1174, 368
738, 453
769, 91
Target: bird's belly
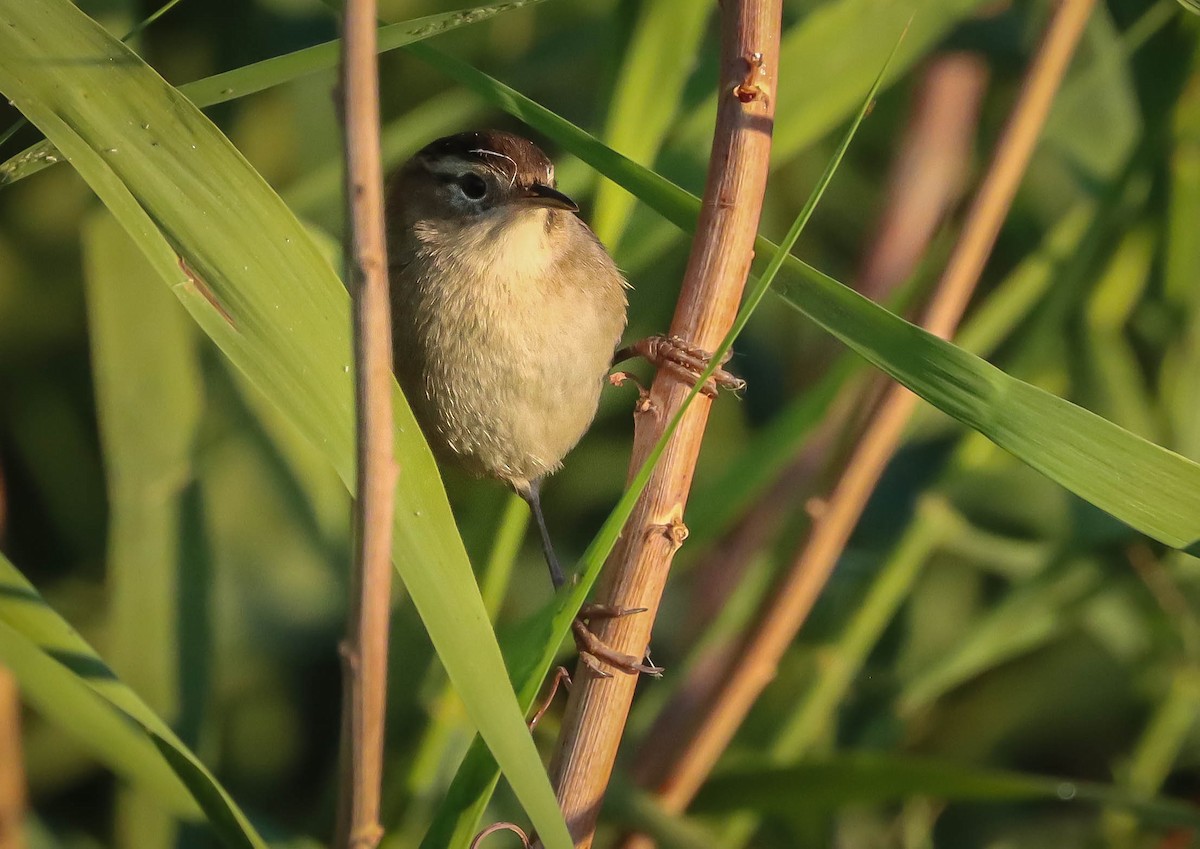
509, 394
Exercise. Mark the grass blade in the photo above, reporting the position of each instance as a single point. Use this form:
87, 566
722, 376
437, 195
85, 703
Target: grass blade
255, 281
57, 668
665, 41
147, 430
1150, 488
259, 76
866, 778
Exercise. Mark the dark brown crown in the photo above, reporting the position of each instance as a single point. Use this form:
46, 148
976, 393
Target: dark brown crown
516, 159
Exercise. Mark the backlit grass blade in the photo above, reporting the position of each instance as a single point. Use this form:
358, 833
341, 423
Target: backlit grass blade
870, 778
1144, 485
663, 46
61, 673
20, 123
255, 281
259, 76
148, 399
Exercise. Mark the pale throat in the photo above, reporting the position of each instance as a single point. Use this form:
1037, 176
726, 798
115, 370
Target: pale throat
510, 247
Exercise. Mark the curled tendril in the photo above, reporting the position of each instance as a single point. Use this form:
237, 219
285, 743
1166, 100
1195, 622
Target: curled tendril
501, 826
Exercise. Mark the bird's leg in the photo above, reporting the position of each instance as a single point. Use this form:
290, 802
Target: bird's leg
682, 358
531, 491
594, 652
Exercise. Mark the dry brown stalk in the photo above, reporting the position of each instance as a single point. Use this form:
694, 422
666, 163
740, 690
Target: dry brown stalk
13, 794
364, 651
716, 275
926, 179
929, 170
3, 504
12, 775
751, 669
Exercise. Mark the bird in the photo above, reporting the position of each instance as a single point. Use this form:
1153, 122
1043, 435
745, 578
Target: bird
506, 309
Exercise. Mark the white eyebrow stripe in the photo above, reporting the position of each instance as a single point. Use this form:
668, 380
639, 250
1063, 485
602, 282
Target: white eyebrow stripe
485, 152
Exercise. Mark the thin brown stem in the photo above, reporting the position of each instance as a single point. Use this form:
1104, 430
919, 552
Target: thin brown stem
12, 774
929, 171
364, 651
13, 793
925, 180
751, 669
716, 274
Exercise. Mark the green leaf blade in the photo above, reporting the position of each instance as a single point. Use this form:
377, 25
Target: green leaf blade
958, 383
256, 282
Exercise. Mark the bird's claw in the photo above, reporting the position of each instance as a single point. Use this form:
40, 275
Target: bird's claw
561, 676
596, 654
685, 360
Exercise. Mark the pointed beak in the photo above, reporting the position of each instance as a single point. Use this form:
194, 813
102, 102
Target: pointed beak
544, 196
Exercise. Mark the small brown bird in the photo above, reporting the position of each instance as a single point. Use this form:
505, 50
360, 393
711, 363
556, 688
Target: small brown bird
506, 310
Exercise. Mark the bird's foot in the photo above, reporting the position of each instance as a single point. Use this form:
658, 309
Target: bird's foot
561, 676
685, 360
596, 654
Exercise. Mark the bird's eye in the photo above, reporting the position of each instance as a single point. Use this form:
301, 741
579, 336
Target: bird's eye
472, 186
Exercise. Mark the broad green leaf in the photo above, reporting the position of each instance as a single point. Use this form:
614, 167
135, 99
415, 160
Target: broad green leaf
1150, 488
717, 504
1027, 284
148, 397
259, 76
145, 22
61, 673
447, 737
255, 281
51, 683
868, 778
664, 44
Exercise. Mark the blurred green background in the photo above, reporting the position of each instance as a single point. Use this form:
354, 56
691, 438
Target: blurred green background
191, 536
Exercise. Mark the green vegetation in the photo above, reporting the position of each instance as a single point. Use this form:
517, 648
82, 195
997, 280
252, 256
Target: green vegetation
1008, 652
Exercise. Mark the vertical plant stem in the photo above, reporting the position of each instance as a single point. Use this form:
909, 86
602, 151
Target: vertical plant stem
12, 763
364, 651
926, 178
12, 774
754, 666
928, 175
716, 274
